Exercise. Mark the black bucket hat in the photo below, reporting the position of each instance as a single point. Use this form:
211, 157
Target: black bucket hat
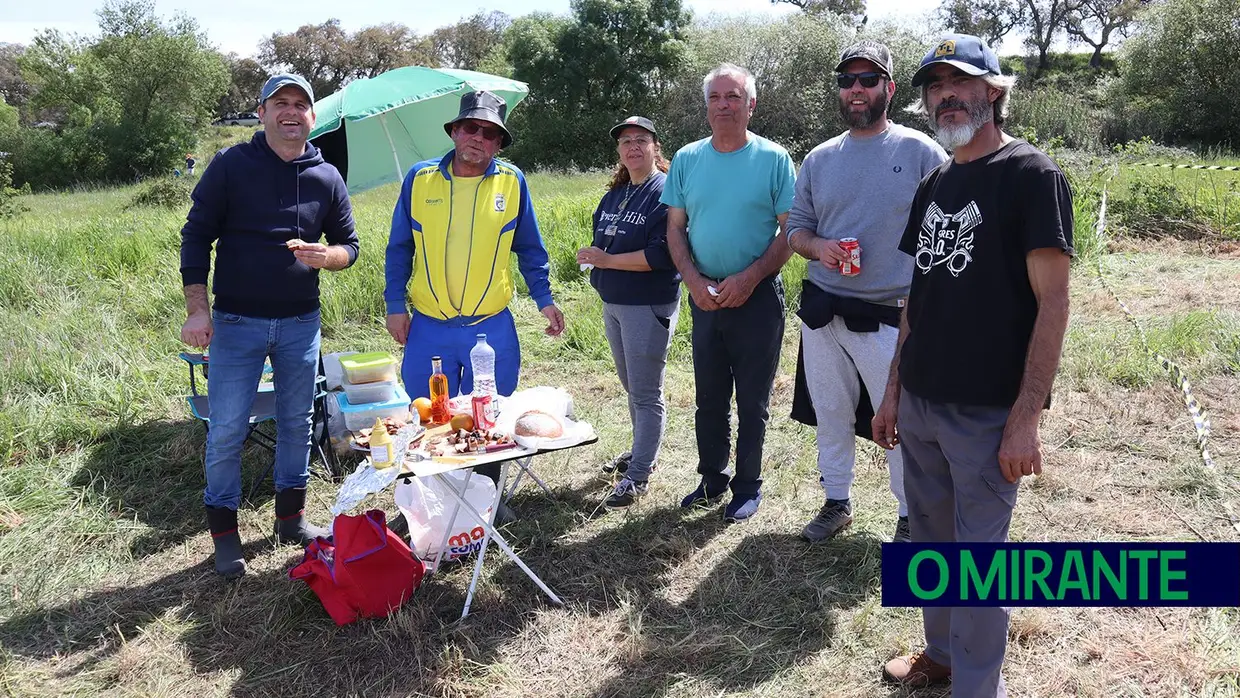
638, 121
483, 106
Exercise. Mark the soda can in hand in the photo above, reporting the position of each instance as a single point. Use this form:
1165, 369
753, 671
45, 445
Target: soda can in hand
851, 266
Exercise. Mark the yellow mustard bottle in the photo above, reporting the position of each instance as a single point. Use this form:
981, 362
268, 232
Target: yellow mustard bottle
382, 450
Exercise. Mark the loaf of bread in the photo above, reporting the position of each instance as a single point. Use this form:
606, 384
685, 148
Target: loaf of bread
538, 423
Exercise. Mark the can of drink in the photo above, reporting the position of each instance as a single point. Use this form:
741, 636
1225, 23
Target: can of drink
851, 266
481, 408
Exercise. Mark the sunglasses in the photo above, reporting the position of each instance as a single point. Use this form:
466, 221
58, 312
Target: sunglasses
491, 133
641, 141
846, 80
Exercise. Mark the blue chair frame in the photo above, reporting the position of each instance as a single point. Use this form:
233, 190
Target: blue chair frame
263, 416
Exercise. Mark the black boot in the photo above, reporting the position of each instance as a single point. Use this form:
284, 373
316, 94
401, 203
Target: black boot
222, 522
291, 524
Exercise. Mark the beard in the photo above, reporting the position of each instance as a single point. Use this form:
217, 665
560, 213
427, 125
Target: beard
863, 119
955, 135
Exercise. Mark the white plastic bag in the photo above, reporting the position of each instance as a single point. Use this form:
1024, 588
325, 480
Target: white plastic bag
336, 426
428, 508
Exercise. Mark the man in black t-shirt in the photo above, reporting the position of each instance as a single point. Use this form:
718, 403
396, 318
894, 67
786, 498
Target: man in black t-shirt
990, 233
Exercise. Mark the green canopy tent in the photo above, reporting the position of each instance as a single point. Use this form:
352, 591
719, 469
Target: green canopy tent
374, 129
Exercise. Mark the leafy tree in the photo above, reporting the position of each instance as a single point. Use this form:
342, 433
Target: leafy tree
852, 11
792, 61
385, 47
470, 42
612, 59
163, 78
129, 102
989, 19
1094, 21
246, 78
1045, 20
14, 89
1179, 81
321, 53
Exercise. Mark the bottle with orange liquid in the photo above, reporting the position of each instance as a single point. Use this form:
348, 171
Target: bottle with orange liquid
440, 414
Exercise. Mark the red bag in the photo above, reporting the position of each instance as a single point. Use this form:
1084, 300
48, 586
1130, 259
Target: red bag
368, 572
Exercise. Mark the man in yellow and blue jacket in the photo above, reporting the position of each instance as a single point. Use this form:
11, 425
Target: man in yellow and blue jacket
457, 220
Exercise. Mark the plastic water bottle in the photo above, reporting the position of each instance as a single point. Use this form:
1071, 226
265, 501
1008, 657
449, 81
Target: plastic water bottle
482, 362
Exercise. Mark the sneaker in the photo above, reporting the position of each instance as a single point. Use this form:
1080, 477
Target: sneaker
742, 507
835, 516
619, 464
627, 492
703, 496
916, 669
902, 534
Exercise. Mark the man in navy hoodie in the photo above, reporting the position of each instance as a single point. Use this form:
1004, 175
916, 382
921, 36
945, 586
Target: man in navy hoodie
264, 205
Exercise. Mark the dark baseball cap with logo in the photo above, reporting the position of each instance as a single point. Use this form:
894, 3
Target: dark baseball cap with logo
964, 51
638, 121
872, 51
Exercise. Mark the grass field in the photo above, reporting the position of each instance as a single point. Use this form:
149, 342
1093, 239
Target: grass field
107, 587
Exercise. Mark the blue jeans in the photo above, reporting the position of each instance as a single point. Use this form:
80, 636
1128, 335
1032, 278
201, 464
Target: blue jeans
452, 343
239, 348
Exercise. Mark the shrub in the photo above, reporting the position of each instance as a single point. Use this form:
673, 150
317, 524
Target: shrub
1157, 206
165, 192
9, 205
1054, 114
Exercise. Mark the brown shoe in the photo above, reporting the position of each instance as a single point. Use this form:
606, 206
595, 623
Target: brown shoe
916, 669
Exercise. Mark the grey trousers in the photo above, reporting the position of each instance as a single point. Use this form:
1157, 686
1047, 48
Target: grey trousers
834, 356
639, 336
956, 492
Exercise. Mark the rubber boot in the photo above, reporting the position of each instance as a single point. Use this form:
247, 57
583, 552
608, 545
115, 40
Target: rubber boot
291, 524
222, 522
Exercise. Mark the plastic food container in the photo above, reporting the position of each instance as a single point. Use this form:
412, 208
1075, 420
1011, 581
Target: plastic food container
369, 368
363, 416
379, 391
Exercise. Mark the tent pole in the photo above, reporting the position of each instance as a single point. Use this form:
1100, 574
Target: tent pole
400, 173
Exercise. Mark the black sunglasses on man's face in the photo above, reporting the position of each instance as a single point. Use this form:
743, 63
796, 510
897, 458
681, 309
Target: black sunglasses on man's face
846, 80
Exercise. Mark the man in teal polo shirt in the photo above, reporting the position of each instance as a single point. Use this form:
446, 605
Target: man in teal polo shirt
728, 199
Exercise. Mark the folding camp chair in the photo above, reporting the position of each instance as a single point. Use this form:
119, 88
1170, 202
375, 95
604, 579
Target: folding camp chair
263, 416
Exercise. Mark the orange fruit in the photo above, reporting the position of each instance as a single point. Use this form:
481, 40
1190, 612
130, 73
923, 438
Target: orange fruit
462, 421
422, 406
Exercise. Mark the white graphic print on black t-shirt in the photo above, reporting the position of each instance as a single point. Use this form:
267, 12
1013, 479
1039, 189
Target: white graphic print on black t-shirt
971, 308
947, 239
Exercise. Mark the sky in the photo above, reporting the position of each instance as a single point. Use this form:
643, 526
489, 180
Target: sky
239, 25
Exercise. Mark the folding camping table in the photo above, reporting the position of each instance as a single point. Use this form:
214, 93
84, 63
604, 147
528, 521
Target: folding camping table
438, 468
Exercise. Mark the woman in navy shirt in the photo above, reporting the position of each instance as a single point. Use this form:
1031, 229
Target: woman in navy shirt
634, 275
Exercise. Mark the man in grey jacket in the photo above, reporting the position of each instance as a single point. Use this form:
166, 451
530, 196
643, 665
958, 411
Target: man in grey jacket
859, 184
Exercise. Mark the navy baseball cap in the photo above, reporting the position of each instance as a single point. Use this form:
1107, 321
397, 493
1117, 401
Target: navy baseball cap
963, 51
276, 82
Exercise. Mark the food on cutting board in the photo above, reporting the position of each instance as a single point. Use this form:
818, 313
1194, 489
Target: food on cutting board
461, 441
462, 422
361, 437
538, 423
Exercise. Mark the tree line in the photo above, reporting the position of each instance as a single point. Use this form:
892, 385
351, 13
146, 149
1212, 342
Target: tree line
130, 101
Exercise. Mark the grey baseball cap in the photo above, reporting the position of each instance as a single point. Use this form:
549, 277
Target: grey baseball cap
872, 51
276, 82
